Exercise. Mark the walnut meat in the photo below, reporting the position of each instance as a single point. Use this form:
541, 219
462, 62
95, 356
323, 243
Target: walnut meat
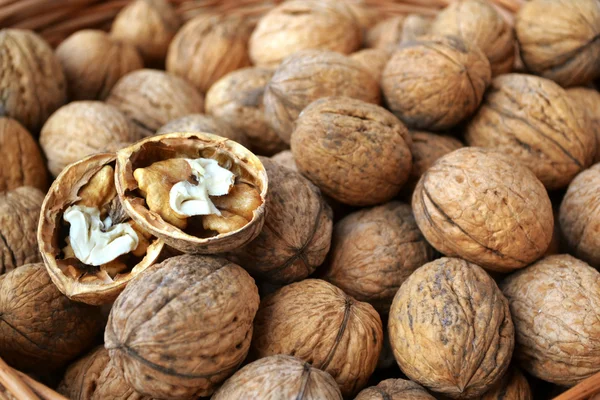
395, 389
373, 60
180, 340
285, 158
318, 323
555, 304
512, 386
451, 329
204, 123
589, 100
435, 82
357, 153
533, 120
482, 206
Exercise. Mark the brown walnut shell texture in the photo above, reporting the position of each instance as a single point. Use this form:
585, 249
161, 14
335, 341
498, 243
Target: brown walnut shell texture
479, 205
563, 45
286, 159
42, 329
512, 386
180, 340
279, 377
395, 389
386, 34
554, 304
310, 75
318, 323
373, 60
589, 100
204, 123
357, 153
23, 163
533, 120
297, 25
451, 329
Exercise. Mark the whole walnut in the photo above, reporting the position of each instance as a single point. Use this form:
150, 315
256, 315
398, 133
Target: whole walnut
386, 34
32, 80
151, 98
435, 82
562, 45
279, 377
589, 100
318, 323
415, 26
23, 163
555, 304
285, 158
204, 123
182, 339
512, 386
451, 329
297, 25
373, 60
237, 98
395, 389
42, 329
374, 251
366, 16
479, 205
310, 75
357, 153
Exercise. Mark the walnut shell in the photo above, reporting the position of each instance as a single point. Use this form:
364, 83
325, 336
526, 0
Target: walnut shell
365, 15
512, 386
151, 98
479, 205
435, 82
451, 329
562, 45
386, 34
23, 162
204, 123
373, 60
310, 75
279, 377
180, 340
285, 158
357, 153
589, 100
395, 389
32, 80
297, 25
534, 121
318, 323
415, 26
555, 304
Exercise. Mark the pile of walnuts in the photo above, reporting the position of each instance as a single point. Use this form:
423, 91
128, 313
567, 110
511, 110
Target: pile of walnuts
326, 202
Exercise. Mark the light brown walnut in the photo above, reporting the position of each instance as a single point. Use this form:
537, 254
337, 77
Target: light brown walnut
285, 158
386, 34
395, 389
373, 60
512, 386
589, 100
204, 123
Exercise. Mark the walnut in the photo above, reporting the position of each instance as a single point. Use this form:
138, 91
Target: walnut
279, 377
208, 47
356, 152
151, 98
512, 386
310, 75
415, 26
23, 162
237, 98
555, 304
534, 121
389, 33
366, 16
395, 389
204, 123
562, 45
479, 205
81, 128
297, 25
286, 159
182, 339
435, 82
589, 100
374, 251
373, 60
318, 323
32, 80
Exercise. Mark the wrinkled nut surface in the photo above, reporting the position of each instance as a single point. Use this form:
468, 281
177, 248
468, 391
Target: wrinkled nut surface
204, 123
286, 159
373, 60
533, 120
318, 323
279, 377
181, 340
563, 45
555, 304
395, 389
310, 75
589, 100
512, 386
357, 153
482, 206
451, 329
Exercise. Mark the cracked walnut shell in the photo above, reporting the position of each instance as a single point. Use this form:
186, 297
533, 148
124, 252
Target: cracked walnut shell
204, 123
395, 389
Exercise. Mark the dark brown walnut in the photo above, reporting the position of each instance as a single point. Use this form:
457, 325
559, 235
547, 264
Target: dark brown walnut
533, 120
204, 123
589, 100
151, 98
318, 323
395, 389
23, 163
32, 80
435, 82
285, 158
373, 60
237, 99
279, 377
357, 153
451, 329
374, 251
512, 386
310, 75
563, 45
297, 232
555, 304
484, 207
182, 339
297, 25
